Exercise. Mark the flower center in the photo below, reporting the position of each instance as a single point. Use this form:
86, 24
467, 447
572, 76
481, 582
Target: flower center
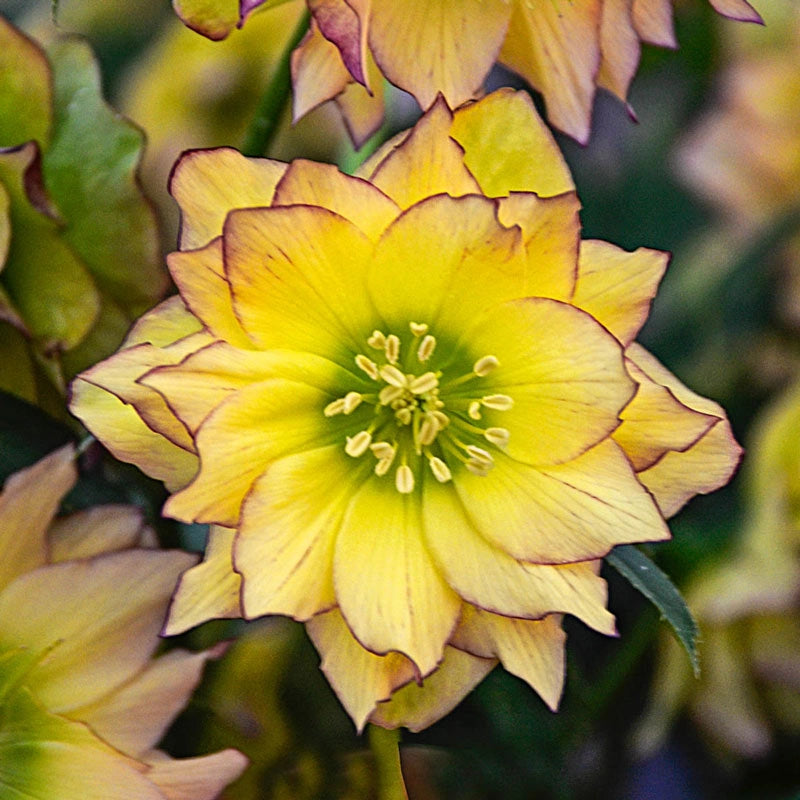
418, 413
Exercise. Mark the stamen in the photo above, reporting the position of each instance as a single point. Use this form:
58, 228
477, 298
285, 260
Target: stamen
403, 415
352, 400
377, 341
440, 470
392, 375
483, 366
404, 479
497, 436
392, 348
499, 402
479, 468
426, 348
424, 383
382, 450
479, 454
334, 408
368, 366
418, 328
428, 430
474, 410
389, 394
383, 466
357, 445
441, 418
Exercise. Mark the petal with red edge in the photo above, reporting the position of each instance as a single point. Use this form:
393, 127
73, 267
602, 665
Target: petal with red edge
165, 324
340, 24
363, 111
737, 9
619, 46
653, 22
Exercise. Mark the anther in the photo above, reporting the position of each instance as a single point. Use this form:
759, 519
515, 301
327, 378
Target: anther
334, 408
441, 418
392, 375
368, 366
403, 415
474, 410
497, 436
499, 402
382, 450
377, 341
418, 328
426, 348
480, 468
392, 348
383, 466
404, 479
428, 430
424, 383
357, 445
439, 469
483, 366
389, 394
352, 400
479, 454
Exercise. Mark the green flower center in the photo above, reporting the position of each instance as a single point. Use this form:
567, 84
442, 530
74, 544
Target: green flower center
421, 415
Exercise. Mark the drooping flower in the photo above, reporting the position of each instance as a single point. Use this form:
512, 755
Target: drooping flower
411, 405
83, 703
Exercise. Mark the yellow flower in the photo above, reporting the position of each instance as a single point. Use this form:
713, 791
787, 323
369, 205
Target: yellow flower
411, 404
82, 702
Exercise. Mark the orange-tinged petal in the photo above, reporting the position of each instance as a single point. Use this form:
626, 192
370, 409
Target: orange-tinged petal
124, 433
167, 323
570, 512
97, 530
28, 503
531, 650
357, 200
389, 591
297, 276
619, 45
564, 372
240, 438
209, 590
737, 9
653, 22
555, 46
616, 287
416, 706
655, 422
360, 678
430, 46
508, 148
287, 531
201, 778
99, 617
427, 162
200, 278
486, 576
207, 184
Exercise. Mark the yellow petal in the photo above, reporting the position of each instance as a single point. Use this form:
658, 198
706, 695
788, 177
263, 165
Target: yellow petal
297, 275
430, 46
556, 48
167, 323
655, 422
653, 22
240, 438
486, 576
706, 465
617, 287
619, 45
531, 650
564, 372
363, 111
201, 778
28, 503
416, 706
389, 591
207, 184
357, 200
506, 122
99, 617
124, 433
570, 512
97, 530
360, 679
426, 163
287, 531
209, 590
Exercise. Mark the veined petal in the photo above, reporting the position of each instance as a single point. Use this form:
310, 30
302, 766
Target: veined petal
126, 436
486, 576
389, 591
706, 465
619, 47
163, 325
416, 706
28, 503
655, 422
653, 22
287, 532
99, 619
555, 515
98, 530
427, 46
200, 278
207, 184
360, 678
555, 46
209, 590
240, 438
357, 200
201, 778
530, 649
505, 122
297, 275
564, 371
427, 162
551, 232
340, 24
616, 287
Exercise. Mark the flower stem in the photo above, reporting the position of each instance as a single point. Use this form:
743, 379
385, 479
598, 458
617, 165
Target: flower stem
384, 746
276, 97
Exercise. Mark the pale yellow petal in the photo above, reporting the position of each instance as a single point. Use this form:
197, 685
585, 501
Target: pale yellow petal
619, 46
360, 679
363, 110
653, 22
207, 184
97, 530
389, 591
201, 778
165, 324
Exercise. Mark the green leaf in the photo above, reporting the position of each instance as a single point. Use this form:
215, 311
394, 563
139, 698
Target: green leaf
654, 584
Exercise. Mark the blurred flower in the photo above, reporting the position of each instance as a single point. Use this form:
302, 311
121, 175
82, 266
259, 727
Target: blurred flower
82, 701
79, 253
411, 404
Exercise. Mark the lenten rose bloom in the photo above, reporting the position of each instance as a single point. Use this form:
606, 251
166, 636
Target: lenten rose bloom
83, 703
411, 404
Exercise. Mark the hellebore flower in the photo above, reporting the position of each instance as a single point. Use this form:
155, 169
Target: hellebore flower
82, 701
411, 402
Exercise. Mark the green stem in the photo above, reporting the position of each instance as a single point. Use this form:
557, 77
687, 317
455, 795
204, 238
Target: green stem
385, 751
276, 97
